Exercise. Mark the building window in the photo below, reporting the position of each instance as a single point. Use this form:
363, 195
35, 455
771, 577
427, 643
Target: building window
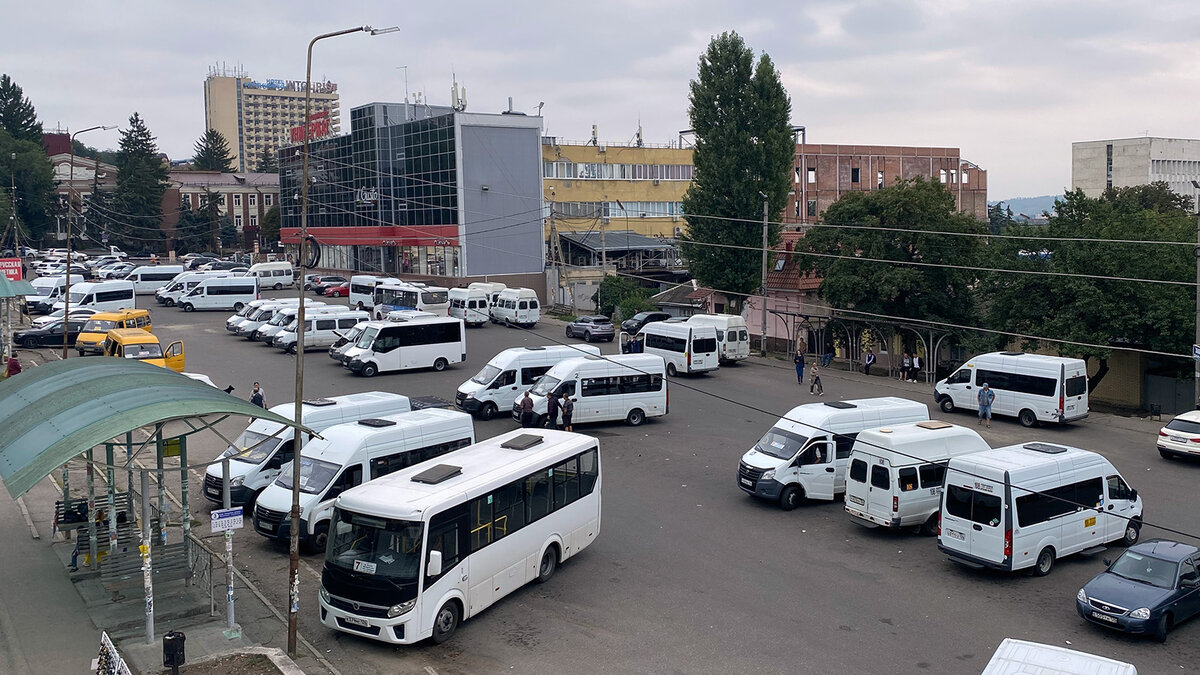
1108, 165
966, 176
953, 175
942, 176
812, 175
797, 203
854, 175
237, 201
812, 207
796, 178
186, 200
253, 200
203, 200
222, 199
253, 220
879, 179
267, 200
237, 221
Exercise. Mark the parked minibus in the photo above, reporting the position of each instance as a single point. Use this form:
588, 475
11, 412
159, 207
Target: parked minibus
1033, 388
733, 337
221, 293
273, 274
95, 331
500, 383
150, 278
102, 296
470, 305
321, 330
362, 290
626, 387
421, 342
391, 297
517, 306
686, 347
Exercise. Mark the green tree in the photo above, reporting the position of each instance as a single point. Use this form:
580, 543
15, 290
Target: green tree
1000, 217
1098, 311
744, 151
192, 232
229, 234
17, 114
33, 176
620, 293
897, 224
212, 153
268, 227
267, 162
141, 182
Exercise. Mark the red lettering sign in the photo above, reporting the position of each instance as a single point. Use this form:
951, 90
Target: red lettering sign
11, 268
316, 129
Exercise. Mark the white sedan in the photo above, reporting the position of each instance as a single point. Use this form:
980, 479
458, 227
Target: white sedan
1181, 436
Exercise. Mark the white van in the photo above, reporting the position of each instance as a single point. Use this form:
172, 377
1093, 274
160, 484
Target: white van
260, 452
896, 473
320, 331
351, 454
150, 278
235, 321
102, 296
362, 289
470, 305
1019, 657
1031, 387
221, 293
806, 453
498, 385
733, 337
686, 347
169, 295
421, 342
628, 387
264, 312
516, 306
47, 291
1025, 506
273, 274
286, 316
346, 340
490, 288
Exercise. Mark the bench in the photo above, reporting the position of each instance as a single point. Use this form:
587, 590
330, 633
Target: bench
168, 563
75, 514
129, 536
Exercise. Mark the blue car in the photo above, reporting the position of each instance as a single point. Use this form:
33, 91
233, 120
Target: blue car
1153, 587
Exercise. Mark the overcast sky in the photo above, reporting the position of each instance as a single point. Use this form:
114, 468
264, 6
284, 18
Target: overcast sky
1012, 83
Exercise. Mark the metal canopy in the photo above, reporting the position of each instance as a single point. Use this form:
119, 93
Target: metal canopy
54, 412
615, 241
15, 289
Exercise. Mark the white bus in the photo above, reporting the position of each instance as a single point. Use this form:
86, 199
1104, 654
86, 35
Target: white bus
392, 297
686, 347
1034, 388
414, 553
421, 342
362, 289
470, 305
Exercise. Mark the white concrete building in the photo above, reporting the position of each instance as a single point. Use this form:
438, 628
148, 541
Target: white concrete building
1125, 162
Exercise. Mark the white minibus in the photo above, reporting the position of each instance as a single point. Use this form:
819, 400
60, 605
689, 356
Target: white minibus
1025, 506
286, 316
490, 288
346, 340
262, 450
221, 293
1031, 387
422, 342
806, 453
415, 553
273, 274
102, 296
626, 387
169, 295
733, 337
262, 315
235, 321
686, 347
497, 386
896, 473
350, 454
1019, 657
362, 290
392, 297
321, 330
517, 306
150, 278
470, 305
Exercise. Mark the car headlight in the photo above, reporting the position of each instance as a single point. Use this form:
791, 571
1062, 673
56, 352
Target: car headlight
767, 475
356, 360
402, 608
325, 595
469, 396
236, 481
1140, 613
1081, 596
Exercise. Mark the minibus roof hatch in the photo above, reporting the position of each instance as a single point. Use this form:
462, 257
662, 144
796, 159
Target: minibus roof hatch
319, 402
437, 474
1048, 448
522, 442
377, 422
841, 405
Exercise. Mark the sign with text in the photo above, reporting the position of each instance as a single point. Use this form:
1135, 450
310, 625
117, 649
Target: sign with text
226, 519
11, 268
318, 126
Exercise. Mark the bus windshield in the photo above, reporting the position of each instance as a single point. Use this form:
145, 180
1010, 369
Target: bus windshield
367, 338
486, 375
149, 350
381, 547
779, 443
261, 446
314, 475
281, 318
99, 326
544, 385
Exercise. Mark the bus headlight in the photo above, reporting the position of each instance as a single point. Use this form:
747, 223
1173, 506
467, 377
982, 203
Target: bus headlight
1140, 613
402, 608
769, 474
236, 481
325, 596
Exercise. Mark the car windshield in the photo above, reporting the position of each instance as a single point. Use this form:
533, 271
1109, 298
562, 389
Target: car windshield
149, 350
76, 297
380, 547
262, 314
780, 443
99, 326
641, 316
367, 338
314, 475
261, 446
544, 385
1185, 426
246, 311
486, 375
281, 319
1144, 568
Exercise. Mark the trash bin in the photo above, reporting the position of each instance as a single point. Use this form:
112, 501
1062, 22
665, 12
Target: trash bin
173, 649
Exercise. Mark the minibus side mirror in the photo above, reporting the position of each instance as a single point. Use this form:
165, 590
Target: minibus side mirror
1133, 494
434, 567
1107, 562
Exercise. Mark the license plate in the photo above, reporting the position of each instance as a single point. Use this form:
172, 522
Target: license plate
355, 621
857, 500
1178, 439
747, 482
953, 534
213, 491
1104, 617
267, 527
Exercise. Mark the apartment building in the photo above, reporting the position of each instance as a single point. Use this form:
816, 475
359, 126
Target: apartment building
1125, 162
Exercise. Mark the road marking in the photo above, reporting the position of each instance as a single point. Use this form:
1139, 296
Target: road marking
28, 520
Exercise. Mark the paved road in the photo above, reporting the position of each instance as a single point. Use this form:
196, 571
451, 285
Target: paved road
690, 575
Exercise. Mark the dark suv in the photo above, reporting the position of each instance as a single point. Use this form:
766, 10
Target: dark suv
635, 323
592, 328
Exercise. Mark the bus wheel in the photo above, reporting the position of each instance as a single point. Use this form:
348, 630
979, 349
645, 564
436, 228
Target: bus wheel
488, 411
635, 417
239, 306
947, 404
548, 565
369, 370
930, 527
169, 302
320, 537
277, 286
446, 622
790, 497
1133, 530
440, 365
188, 307
1045, 562
291, 348
1027, 418
671, 370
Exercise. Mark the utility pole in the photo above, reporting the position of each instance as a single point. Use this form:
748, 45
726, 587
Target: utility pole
763, 290
1196, 185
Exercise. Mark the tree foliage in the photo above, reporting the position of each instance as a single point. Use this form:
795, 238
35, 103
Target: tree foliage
1097, 311
621, 298
229, 234
31, 172
267, 162
17, 114
141, 182
212, 153
268, 228
744, 149
1000, 217
192, 232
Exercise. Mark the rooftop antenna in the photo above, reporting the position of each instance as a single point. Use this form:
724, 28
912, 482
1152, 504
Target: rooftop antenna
639, 132
594, 140
457, 102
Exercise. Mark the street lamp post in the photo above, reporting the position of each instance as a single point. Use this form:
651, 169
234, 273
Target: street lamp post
294, 539
71, 194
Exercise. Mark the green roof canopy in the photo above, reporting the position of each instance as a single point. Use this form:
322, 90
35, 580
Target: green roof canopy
54, 412
14, 289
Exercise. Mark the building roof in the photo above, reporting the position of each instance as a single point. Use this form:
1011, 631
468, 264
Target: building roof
678, 295
215, 179
790, 278
615, 240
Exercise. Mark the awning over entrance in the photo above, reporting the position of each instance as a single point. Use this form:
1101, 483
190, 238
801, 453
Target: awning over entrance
56, 411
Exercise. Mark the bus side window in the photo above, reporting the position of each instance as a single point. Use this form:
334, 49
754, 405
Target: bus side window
447, 533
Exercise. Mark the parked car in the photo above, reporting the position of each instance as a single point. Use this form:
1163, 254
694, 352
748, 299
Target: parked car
76, 313
634, 323
220, 266
1153, 587
1181, 436
309, 280
341, 290
116, 271
319, 284
196, 262
592, 328
50, 335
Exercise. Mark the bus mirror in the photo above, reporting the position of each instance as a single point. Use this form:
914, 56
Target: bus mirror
434, 568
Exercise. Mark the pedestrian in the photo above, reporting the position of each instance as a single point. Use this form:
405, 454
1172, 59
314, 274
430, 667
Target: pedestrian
905, 367
799, 360
568, 410
986, 396
12, 366
916, 367
552, 407
814, 385
868, 361
527, 411
259, 396
827, 358
153, 259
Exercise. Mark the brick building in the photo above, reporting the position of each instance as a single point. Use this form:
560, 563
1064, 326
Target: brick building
244, 197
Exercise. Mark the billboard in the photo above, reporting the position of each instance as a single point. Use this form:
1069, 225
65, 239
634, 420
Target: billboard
11, 267
318, 126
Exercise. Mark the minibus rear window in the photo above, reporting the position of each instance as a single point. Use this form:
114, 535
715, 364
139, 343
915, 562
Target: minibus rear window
880, 477
978, 507
858, 471
1076, 386
704, 345
908, 479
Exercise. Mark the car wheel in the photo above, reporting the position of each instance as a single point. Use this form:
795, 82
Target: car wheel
1045, 562
1133, 531
1162, 627
671, 370
291, 348
29, 343
308, 287
587, 336
80, 351
369, 370
188, 307
931, 526
569, 333
169, 302
1027, 418
239, 306
947, 404
320, 537
635, 417
790, 497
278, 286
610, 338
488, 411
446, 622
548, 565
440, 365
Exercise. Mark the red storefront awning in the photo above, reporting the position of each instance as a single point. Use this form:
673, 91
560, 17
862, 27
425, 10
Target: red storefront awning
381, 235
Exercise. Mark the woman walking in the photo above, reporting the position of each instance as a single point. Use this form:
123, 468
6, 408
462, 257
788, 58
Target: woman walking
814, 386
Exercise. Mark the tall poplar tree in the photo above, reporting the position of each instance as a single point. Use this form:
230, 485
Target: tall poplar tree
212, 153
17, 115
141, 182
744, 149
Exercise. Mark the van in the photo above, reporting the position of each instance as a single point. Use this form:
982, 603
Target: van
733, 337
1019, 657
411, 295
150, 278
285, 317
95, 331
896, 473
346, 340
350, 454
320, 331
362, 290
1033, 388
47, 291
135, 343
491, 289
686, 347
497, 386
169, 295
261, 451
273, 274
262, 316
516, 306
806, 453
470, 305
626, 387
1025, 506
420, 342
102, 296
221, 293
238, 318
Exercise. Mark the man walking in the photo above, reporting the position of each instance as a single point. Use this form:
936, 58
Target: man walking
527, 411
814, 386
259, 396
568, 410
552, 406
868, 361
799, 361
986, 396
